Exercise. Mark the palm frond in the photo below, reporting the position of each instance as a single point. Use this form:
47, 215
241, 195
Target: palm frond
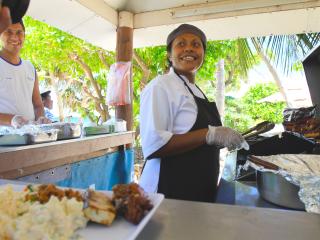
287, 50
246, 56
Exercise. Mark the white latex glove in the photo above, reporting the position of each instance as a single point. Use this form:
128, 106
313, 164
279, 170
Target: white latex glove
18, 121
43, 120
226, 137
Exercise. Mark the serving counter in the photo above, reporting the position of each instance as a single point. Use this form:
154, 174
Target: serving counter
192, 220
102, 160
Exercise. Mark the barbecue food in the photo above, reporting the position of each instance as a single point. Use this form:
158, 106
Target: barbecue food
131, 202
310, 128
100, 208
42, 193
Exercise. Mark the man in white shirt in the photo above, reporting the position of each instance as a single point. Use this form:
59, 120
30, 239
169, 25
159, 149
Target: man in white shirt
48, 105
20, 100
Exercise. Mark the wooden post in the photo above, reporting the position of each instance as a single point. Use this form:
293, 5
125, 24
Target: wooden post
124, 52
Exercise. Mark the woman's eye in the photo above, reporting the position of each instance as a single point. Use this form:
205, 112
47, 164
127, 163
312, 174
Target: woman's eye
181, 44
196, 44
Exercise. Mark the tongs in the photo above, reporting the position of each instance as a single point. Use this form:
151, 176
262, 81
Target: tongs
258, 129
263, 163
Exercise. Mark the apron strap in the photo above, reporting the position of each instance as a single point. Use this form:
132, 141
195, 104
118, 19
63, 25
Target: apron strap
189, 87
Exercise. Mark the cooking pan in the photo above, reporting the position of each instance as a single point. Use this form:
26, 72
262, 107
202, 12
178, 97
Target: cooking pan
276, 189
17, 8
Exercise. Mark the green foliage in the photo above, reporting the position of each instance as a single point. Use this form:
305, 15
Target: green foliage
263, 111
235, 117
50, 49
243, 113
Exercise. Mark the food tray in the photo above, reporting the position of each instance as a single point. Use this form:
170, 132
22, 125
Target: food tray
66, 130
96, 130
26, 139
14, 140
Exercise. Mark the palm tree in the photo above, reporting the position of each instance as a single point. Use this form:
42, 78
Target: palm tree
283, 51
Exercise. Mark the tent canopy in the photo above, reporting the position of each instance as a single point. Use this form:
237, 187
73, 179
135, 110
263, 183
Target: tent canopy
96, 21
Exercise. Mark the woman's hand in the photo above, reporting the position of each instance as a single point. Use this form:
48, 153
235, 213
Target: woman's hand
226, 137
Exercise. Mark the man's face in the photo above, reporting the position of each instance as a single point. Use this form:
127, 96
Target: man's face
47, 102
12, 38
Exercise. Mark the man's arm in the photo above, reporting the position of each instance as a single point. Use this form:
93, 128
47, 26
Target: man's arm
5, 119
37, 101
5, 18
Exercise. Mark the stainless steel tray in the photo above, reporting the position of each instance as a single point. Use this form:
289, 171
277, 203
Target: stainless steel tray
14, 140
27, 139
276, 189
66, 130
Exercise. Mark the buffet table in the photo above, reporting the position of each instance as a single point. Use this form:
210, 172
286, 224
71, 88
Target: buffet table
102, 160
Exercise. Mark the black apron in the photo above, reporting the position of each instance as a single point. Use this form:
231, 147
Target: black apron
193, 175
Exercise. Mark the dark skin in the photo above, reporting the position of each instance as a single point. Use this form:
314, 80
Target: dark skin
186, 56
5, 18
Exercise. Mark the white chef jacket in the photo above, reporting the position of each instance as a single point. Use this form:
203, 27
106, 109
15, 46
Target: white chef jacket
166, 108
16, 88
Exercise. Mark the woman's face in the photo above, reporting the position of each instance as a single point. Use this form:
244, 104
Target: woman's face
187, 53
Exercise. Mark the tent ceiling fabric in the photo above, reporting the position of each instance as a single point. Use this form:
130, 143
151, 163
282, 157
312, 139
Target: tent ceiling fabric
96, 21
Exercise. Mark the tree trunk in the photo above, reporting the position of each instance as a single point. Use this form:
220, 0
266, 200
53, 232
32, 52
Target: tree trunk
99, 100
272, 70
146, 71
143, 81
220, 87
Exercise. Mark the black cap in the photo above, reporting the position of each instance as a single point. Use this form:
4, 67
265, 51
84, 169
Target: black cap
45, 94
17, 8
187, 28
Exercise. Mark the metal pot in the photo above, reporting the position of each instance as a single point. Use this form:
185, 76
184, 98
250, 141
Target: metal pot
276, 189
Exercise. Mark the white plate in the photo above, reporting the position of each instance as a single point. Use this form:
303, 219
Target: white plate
120, 229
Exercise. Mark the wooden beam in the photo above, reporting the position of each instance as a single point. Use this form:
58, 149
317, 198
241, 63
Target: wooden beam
14, 161
32, 169
102, 9
124, 52
244, 7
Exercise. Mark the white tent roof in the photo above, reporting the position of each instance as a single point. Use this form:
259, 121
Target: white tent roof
96, 21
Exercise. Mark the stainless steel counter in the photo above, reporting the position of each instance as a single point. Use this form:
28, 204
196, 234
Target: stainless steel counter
200, 221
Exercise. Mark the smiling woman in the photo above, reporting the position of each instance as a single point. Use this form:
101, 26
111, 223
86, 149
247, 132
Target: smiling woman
181, 130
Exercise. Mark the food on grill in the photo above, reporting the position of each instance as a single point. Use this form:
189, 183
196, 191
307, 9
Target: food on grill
310, 127
100, 208
131, 202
